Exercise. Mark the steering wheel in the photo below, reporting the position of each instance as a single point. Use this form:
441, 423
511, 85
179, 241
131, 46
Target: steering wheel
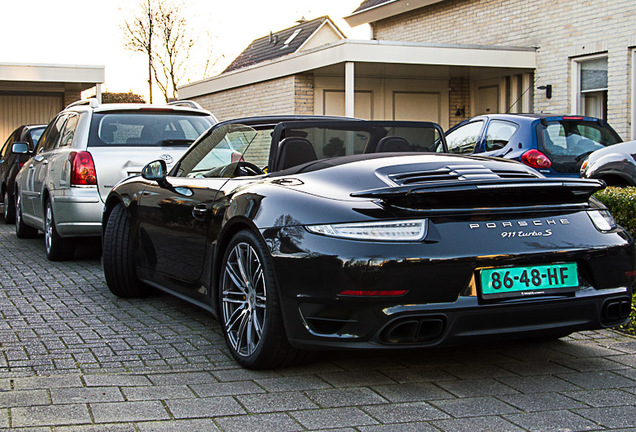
244, 168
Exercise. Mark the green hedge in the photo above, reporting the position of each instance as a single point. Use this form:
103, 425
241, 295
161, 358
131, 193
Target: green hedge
621, 202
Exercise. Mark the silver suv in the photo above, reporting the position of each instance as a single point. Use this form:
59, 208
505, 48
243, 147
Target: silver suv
84, 151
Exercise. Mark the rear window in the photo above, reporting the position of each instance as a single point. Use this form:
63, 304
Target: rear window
568, 141
147, 129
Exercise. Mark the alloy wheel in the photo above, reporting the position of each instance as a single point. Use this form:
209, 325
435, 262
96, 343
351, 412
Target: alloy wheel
244, 295
6, 205
48, 227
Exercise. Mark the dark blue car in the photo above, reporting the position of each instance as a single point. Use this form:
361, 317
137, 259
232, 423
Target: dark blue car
555, 145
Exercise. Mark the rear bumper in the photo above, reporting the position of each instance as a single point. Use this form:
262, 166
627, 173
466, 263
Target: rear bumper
78, 213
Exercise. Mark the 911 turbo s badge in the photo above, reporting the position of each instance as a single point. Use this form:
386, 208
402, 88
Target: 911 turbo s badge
512, 233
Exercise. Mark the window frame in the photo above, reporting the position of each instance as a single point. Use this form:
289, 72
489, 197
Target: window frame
576, 103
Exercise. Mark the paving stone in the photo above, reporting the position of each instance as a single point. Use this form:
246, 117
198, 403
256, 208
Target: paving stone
98, 428
538, 384
356, 378
598, 380
611, 417
116, 380
157, 393
47, 382
550, 421
604, 398
332, 418
400, 427
473, 388
260, 423
356, 396
226, 388
85, 395
128, 411
194, 425
204, 407
477, 424
51, 415
412, 392
275, 402
541, 402
404, 412
292, 383
474, 407
23, 398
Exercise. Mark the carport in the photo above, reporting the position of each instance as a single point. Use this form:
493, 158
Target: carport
34, 93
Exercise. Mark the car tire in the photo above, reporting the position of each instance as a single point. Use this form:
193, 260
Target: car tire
21, 230
118, 258
9, 208
249, 307
57, 248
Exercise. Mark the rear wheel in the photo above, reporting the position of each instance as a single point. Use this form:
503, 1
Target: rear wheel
249, 307
9, 208
57, 248
118, 256
22, 230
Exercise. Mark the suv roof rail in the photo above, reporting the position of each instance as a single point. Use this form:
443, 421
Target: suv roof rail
92, 102
185, 103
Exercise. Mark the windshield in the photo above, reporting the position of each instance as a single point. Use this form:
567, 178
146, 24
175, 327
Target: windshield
224, 146
568, 141
147, 129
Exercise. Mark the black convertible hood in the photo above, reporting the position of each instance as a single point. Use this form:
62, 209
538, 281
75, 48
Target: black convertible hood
436, 181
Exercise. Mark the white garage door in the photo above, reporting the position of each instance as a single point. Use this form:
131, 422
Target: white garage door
17, 110
416, 106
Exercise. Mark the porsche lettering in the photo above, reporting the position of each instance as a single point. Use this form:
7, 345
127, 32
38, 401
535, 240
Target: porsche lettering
521, 223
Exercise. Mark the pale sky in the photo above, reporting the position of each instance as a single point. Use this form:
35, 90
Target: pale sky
87, 32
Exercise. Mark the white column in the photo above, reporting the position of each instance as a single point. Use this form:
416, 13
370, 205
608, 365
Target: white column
349, 90
98, 92
528, 88
514, 94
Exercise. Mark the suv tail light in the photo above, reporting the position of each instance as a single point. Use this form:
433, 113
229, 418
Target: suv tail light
82, 169
536, 159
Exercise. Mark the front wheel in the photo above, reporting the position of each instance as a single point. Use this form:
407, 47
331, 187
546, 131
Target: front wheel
21, 229
118, 256
57, 248
9, 208
249, 307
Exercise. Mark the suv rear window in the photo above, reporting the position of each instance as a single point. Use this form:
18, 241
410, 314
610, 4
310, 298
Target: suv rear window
567, 141
147, 129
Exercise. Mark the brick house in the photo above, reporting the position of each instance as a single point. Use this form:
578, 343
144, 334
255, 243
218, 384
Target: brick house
447, 60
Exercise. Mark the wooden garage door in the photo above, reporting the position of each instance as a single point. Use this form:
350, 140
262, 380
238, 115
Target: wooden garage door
16, 110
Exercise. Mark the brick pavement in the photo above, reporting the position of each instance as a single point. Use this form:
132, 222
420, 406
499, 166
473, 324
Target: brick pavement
75, 358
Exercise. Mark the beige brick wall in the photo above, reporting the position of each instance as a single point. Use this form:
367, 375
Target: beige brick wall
458, 99
560, 29
71, 96
288, 95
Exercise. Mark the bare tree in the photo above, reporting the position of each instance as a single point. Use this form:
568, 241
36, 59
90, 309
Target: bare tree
172, 32
139, 33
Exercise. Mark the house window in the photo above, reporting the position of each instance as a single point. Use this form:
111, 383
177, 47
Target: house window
590, 94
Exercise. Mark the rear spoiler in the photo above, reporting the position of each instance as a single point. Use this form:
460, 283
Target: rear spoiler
485, 193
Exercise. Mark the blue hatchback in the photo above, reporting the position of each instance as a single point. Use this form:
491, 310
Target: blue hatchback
555, 145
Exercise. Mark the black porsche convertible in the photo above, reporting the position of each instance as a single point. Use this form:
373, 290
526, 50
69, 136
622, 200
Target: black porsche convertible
321, 232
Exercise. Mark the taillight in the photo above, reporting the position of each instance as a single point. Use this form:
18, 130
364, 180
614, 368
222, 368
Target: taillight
82, 169
535, 159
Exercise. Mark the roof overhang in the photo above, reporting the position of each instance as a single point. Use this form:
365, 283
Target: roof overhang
386, 10
83, 76
366, 52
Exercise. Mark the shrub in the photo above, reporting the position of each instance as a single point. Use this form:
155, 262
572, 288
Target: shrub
621, 202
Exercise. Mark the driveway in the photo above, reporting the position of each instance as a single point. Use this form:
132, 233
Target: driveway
75, 358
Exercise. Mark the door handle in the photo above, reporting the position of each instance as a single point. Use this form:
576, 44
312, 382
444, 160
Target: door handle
200, 211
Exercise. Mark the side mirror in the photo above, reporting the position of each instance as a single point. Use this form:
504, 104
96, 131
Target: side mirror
20, 148
155, 171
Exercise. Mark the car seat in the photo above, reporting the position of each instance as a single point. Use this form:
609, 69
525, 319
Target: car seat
293, 151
